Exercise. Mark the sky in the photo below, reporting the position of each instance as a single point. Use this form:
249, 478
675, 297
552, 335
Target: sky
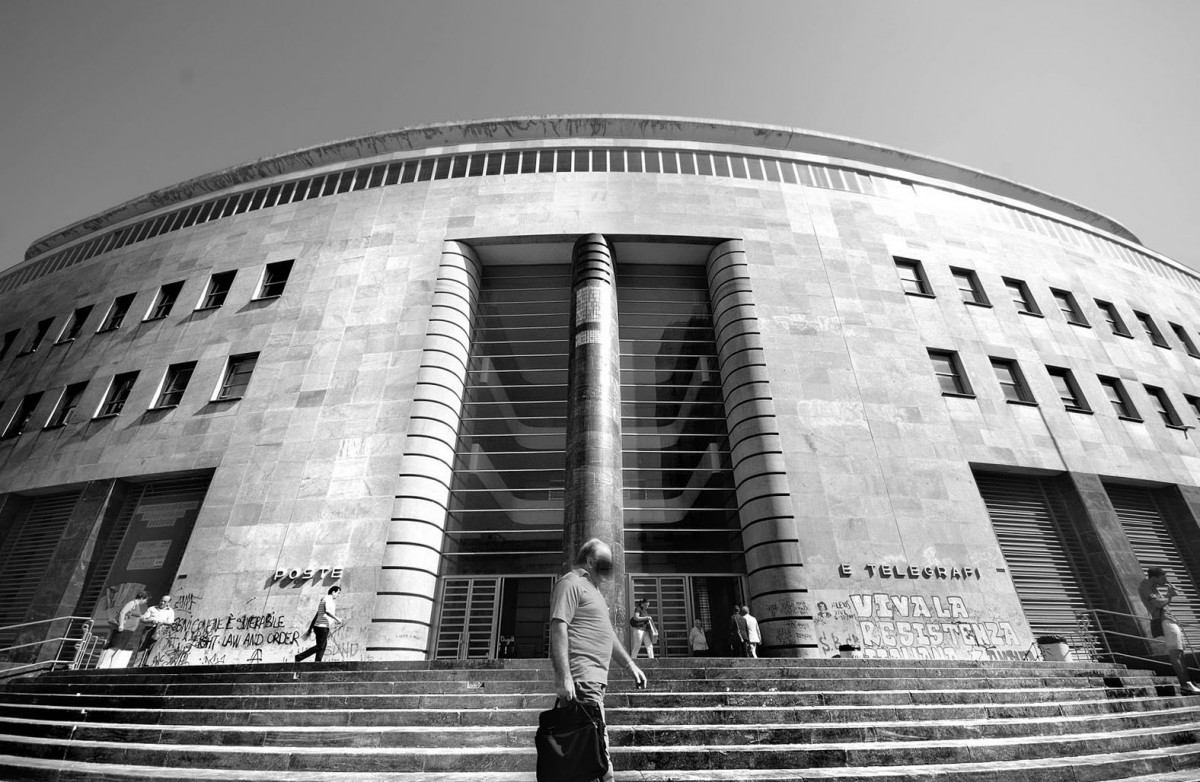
1091, 100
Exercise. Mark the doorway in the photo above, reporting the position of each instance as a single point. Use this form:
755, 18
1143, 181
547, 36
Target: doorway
676, 601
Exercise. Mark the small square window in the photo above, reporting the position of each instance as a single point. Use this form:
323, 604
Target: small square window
1162, 404
1012, 382
949, 372
1114, 389
68, 403
1113, 318
1151, 329
1070, 308
164, 301
9, 338
1068, 390
1194, 401
116, 313
39, 334
237, 377
21, 417
74, 324
174, 383
969, 286
912, 277
117, 395
217, 290
1022, 297
1185, 339
274, 279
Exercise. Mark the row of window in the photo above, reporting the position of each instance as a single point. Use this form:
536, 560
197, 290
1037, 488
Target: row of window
234, 381
953, 381
271, 285
915, 282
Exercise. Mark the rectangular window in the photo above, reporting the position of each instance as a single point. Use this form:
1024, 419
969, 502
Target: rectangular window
174, 384
949, 371
275, 279
9, 338
1070, 308
1194, 401
1185, 339
39, 334
1151, 329
64, 411
912, 277
164, 301
217, 290
1113, 317
20, 419
1114, 389
1012, 382
1068, 390
116, 313
117, 395
1162, 404
1022, 297
74, 324
237, 377
968, 284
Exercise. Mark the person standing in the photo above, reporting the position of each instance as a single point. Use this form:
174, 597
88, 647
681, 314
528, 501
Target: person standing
124, 639
582, 639
1156, 592
697, 640
321, 624
155, 618
643, 630
753, 636
737, 633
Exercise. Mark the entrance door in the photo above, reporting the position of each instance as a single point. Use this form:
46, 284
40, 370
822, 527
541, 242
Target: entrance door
479, 613
525, 617
676, 602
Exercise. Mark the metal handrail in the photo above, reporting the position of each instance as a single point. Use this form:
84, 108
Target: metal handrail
83, 640
1095, 629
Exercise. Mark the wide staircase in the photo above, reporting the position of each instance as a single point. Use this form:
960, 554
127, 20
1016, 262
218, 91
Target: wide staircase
712, 719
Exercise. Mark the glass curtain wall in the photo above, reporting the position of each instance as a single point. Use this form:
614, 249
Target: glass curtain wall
506, 501
680, 507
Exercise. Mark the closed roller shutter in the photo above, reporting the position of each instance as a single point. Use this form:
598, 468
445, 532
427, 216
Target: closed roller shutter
1153, 543
1044, 556
468, 618
27, 553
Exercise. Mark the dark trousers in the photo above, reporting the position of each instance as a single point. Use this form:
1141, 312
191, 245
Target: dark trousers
322, 634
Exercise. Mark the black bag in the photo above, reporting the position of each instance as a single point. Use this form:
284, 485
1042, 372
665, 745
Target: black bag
570, 744
1156, 628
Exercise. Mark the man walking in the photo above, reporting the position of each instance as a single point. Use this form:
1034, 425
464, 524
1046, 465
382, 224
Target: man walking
1156, 591
753, 636
320, 625
582, 639
162, 615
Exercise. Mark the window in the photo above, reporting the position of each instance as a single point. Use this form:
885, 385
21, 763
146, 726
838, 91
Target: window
174, 384
1151, 329
237, 377
1119, 399
1162, 403
74, 324
217, 290
1068, 390
1012, 382
912, 277
39, 334
968, 285
1186, 340
1194, 401
274, 279
1070, 307
949, 373
164, 301
118, 394
116, 313
9, 338
1113, 318
20, 419
64, 411
1022, 297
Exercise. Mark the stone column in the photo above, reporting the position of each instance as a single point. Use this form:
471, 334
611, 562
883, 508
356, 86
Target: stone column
400, 627
593, 504
769, 534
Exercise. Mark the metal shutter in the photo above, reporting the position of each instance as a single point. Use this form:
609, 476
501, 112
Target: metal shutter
1045, 558
468, 618
27, 553
1154, 545
666, 597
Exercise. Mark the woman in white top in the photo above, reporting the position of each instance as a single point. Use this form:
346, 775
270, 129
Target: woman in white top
643, 630
698, 640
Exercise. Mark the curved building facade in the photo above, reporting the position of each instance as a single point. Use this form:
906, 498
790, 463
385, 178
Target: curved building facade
887, 401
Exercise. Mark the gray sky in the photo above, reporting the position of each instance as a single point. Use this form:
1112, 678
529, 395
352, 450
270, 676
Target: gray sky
1091, 100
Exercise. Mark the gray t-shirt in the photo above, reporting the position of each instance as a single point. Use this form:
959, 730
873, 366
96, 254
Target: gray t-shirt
577, 602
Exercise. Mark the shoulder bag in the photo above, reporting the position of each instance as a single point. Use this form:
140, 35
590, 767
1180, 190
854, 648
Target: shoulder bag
570, 744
